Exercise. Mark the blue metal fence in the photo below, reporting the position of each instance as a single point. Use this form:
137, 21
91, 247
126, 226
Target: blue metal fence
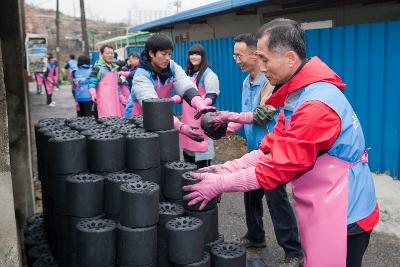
366, 56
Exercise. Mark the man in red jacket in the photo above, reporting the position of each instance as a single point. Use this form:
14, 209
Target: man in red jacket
317, 144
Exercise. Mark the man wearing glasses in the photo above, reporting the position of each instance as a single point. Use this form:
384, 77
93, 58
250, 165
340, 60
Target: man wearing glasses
256, 89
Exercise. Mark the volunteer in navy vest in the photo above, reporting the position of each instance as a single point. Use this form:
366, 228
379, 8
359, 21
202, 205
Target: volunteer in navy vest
157, 75
317, 144
80, 86
71, 65
198, 69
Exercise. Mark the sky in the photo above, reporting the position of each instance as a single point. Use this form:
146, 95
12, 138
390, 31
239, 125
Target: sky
113, 10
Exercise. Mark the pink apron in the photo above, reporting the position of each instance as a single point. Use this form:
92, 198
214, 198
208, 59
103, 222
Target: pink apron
188, 118
39, 79
124, 96
50, 81
69, 74
321, 201
108, 104
162, 92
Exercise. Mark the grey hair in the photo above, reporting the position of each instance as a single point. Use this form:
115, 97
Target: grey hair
283, 35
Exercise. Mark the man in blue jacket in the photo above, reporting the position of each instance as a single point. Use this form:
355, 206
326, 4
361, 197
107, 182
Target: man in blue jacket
255, 91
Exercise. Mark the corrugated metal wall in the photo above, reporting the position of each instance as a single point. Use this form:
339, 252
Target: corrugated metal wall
366, 56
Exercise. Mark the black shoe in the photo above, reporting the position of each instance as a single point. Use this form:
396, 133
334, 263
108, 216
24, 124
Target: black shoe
250, 244
292, 262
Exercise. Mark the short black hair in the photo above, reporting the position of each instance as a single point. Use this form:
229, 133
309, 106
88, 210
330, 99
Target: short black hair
157, 42
284, 34
249, 39
103, 47
133, 54
72, 56
83, 60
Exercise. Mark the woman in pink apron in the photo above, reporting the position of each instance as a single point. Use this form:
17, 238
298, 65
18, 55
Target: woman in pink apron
39, 82
156, 76
317, 144
50, 80
200, 153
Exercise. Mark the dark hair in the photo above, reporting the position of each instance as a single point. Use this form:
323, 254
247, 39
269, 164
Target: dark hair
103, 47
133, 54
72, 56
83, 60
157, 42
198, 50
248, 38
120, 64
286, 34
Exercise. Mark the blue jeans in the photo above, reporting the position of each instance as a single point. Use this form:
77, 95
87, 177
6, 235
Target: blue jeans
282, 215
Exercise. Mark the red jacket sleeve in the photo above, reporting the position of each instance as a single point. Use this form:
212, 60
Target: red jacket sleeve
314, 127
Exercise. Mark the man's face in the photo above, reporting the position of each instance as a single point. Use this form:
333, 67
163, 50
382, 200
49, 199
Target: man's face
245, 57
133, 62
108, 55
276, 67
161, 58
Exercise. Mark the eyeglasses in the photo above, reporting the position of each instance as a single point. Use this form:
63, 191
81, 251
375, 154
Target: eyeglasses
236, 57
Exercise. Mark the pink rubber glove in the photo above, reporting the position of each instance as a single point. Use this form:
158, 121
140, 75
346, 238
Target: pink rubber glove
247, 160
76, 84
222, 117
208, 101
124, 73
177, 99
201, 107
233, 127
188, 130
123, 100
212, 185
93, 94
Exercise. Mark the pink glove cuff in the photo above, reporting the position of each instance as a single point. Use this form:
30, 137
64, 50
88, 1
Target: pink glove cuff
92, 93
233, 127
208, 101
124, 73
197, 103
246, 161
177, 124
122, 99
177, 99
242, 117
241, 181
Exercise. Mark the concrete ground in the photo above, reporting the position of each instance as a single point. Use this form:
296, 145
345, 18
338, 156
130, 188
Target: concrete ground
384, 248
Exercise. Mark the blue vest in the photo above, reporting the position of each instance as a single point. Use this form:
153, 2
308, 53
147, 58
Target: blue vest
81, 75
250, 100
73, 64
349, 145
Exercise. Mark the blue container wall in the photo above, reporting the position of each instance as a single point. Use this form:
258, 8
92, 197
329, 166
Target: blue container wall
94, 56
367, 58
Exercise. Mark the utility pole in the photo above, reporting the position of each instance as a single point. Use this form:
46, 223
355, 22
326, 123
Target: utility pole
178, 5
58, 33
84, 30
